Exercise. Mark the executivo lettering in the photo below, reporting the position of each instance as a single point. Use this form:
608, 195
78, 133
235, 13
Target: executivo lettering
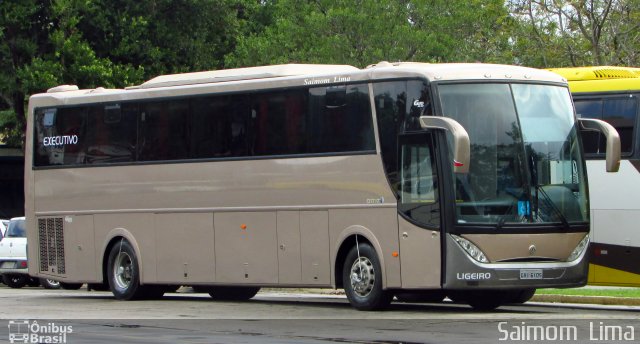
60, 140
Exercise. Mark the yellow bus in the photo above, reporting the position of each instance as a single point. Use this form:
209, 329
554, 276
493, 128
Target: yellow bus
611, 94
402, 179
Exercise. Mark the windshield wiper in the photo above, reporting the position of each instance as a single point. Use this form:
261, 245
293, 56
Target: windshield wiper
549, 202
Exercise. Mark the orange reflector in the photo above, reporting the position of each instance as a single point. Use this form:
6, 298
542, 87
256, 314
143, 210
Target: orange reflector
395, 254
243, 226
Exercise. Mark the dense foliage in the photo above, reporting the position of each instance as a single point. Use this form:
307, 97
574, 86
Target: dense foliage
116, 43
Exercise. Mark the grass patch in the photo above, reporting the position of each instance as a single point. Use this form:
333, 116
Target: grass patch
612, 292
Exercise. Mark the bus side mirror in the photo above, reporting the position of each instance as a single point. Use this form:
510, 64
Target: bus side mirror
613, 140
461, 145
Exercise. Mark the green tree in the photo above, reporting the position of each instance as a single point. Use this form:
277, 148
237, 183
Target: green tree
575, 33
366, 31
23, 33
165, 36
93, 43
42, 48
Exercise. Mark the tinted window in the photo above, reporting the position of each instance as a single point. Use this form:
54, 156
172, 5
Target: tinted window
300, 121
164, 130
589, 109
278, 123
16, 229
110, 134
219, 127
318, 120
399, 104
619, 112
339, 119
60, 136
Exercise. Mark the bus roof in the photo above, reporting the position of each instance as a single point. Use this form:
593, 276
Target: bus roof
597, 73
291, 75
465, 71
600, 78
248, 73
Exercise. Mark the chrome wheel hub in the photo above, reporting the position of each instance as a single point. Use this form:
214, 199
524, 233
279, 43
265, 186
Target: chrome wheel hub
362, 276
122, 270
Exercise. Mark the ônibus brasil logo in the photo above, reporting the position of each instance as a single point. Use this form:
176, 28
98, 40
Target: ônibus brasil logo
25, 331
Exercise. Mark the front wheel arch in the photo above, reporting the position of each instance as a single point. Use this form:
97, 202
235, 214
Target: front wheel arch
346, 241
362, 278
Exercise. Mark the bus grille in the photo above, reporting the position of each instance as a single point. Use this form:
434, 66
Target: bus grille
51, 234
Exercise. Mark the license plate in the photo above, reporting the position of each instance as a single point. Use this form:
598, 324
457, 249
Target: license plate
8, 265
531, 274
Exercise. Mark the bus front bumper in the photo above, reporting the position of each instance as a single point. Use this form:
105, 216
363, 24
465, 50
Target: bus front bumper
463, 272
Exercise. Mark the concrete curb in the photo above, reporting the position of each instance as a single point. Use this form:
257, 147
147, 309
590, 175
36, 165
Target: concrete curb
549, 298
595, 300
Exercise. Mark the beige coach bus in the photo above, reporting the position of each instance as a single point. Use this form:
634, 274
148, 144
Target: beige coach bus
407, 179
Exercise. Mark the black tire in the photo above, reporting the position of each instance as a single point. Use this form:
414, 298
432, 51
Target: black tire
425, 296
15, 281
123, 273
33, 282
49, 284
486, 300
70, 286
232, 293
364, 291
519, 296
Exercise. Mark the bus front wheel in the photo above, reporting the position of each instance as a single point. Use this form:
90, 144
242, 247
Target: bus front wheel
123, 272
362, 279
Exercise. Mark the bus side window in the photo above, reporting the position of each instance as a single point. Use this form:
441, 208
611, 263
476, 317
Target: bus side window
619, 112
164, 131
589, 108
111, 134
69, 122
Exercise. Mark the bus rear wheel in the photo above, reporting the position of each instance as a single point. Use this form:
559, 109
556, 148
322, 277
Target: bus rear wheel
362, 279
232, 293
123, 273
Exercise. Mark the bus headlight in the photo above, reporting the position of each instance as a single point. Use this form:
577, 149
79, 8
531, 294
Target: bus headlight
579, 249
471, 249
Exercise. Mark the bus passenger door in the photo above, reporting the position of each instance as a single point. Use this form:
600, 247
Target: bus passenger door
419, 212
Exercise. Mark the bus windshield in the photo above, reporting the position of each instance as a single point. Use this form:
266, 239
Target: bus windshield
526, 165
